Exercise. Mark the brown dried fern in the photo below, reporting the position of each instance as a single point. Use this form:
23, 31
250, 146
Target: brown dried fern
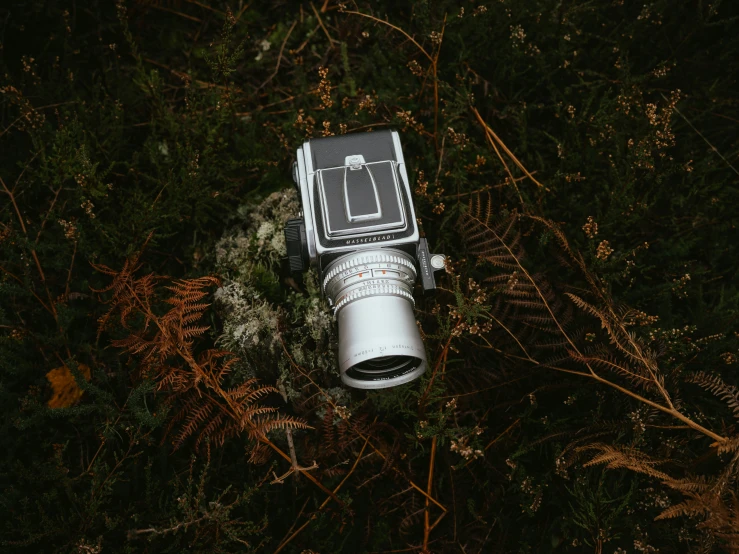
208, 409
716, 386
496, 240
164, 347
711, 498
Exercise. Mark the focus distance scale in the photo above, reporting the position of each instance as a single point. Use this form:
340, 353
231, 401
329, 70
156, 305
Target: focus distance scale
362, 273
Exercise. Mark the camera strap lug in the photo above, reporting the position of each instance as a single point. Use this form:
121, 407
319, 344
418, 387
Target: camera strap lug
428, 264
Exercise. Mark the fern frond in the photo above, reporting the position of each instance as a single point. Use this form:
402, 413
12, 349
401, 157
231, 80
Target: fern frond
210, 429
265, 425
692, 484
609, 363
730, 445
592, 310
628, 458
691, 507
206, 409
328, 436
259, 454
551, 344
190, 332
497, 243
529, 304
716, 386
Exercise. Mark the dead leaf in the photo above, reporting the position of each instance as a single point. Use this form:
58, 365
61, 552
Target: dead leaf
66, 391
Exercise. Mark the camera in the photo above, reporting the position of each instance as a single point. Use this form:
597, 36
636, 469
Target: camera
358, 229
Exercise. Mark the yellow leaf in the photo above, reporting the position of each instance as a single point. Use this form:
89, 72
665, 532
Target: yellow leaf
66, 391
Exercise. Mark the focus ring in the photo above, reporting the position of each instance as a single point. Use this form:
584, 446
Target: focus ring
393, 290
368, 259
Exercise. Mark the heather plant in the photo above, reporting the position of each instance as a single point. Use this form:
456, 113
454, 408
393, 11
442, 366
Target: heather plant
576, 161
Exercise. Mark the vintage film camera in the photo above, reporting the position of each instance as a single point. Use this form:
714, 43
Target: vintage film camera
358, 229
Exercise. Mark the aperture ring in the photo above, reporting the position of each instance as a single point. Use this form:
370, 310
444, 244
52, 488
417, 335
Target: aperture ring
359, 259
382, 290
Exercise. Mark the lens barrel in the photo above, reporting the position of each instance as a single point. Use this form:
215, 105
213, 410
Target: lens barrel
380, 345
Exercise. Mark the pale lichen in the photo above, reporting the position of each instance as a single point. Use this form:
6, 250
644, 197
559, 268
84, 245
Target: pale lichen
259, 306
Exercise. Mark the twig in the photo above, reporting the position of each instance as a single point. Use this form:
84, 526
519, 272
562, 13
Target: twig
426, 528
51, 307
436, 86
185, 77
441, 159
170, 10
485, 188
373, 18
306, 41
438, 519
440, 361
279, 58
285, 542
380, 124
478, 391
16, 120
15, 205
497, 153
294, 469
504, 433
43, 223
30, 290
205, 6
25, 167
505, 148
241, 12
320, 22
69, 271
720, 155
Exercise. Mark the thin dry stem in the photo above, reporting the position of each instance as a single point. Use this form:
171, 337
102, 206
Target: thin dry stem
373, 18
426, 527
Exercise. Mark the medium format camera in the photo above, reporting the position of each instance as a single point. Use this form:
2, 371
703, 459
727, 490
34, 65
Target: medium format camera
358, 229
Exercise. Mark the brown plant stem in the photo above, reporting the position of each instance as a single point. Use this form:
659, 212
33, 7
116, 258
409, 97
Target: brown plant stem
483, 189
285, 542
492, 134
378, 20
51, 308
320, 22
436, 89
500, 157
279, 58
426, 528
441, 362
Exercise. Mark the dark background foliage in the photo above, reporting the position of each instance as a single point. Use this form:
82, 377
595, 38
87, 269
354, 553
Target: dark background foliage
122, 119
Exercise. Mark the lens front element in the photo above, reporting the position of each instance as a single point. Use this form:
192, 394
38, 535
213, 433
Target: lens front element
379, 342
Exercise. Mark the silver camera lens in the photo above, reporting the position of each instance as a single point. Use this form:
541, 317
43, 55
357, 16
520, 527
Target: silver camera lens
372, 295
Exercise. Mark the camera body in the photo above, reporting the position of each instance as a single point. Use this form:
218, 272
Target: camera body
358, 228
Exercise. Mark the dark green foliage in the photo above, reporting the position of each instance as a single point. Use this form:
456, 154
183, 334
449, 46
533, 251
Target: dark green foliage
179, 118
